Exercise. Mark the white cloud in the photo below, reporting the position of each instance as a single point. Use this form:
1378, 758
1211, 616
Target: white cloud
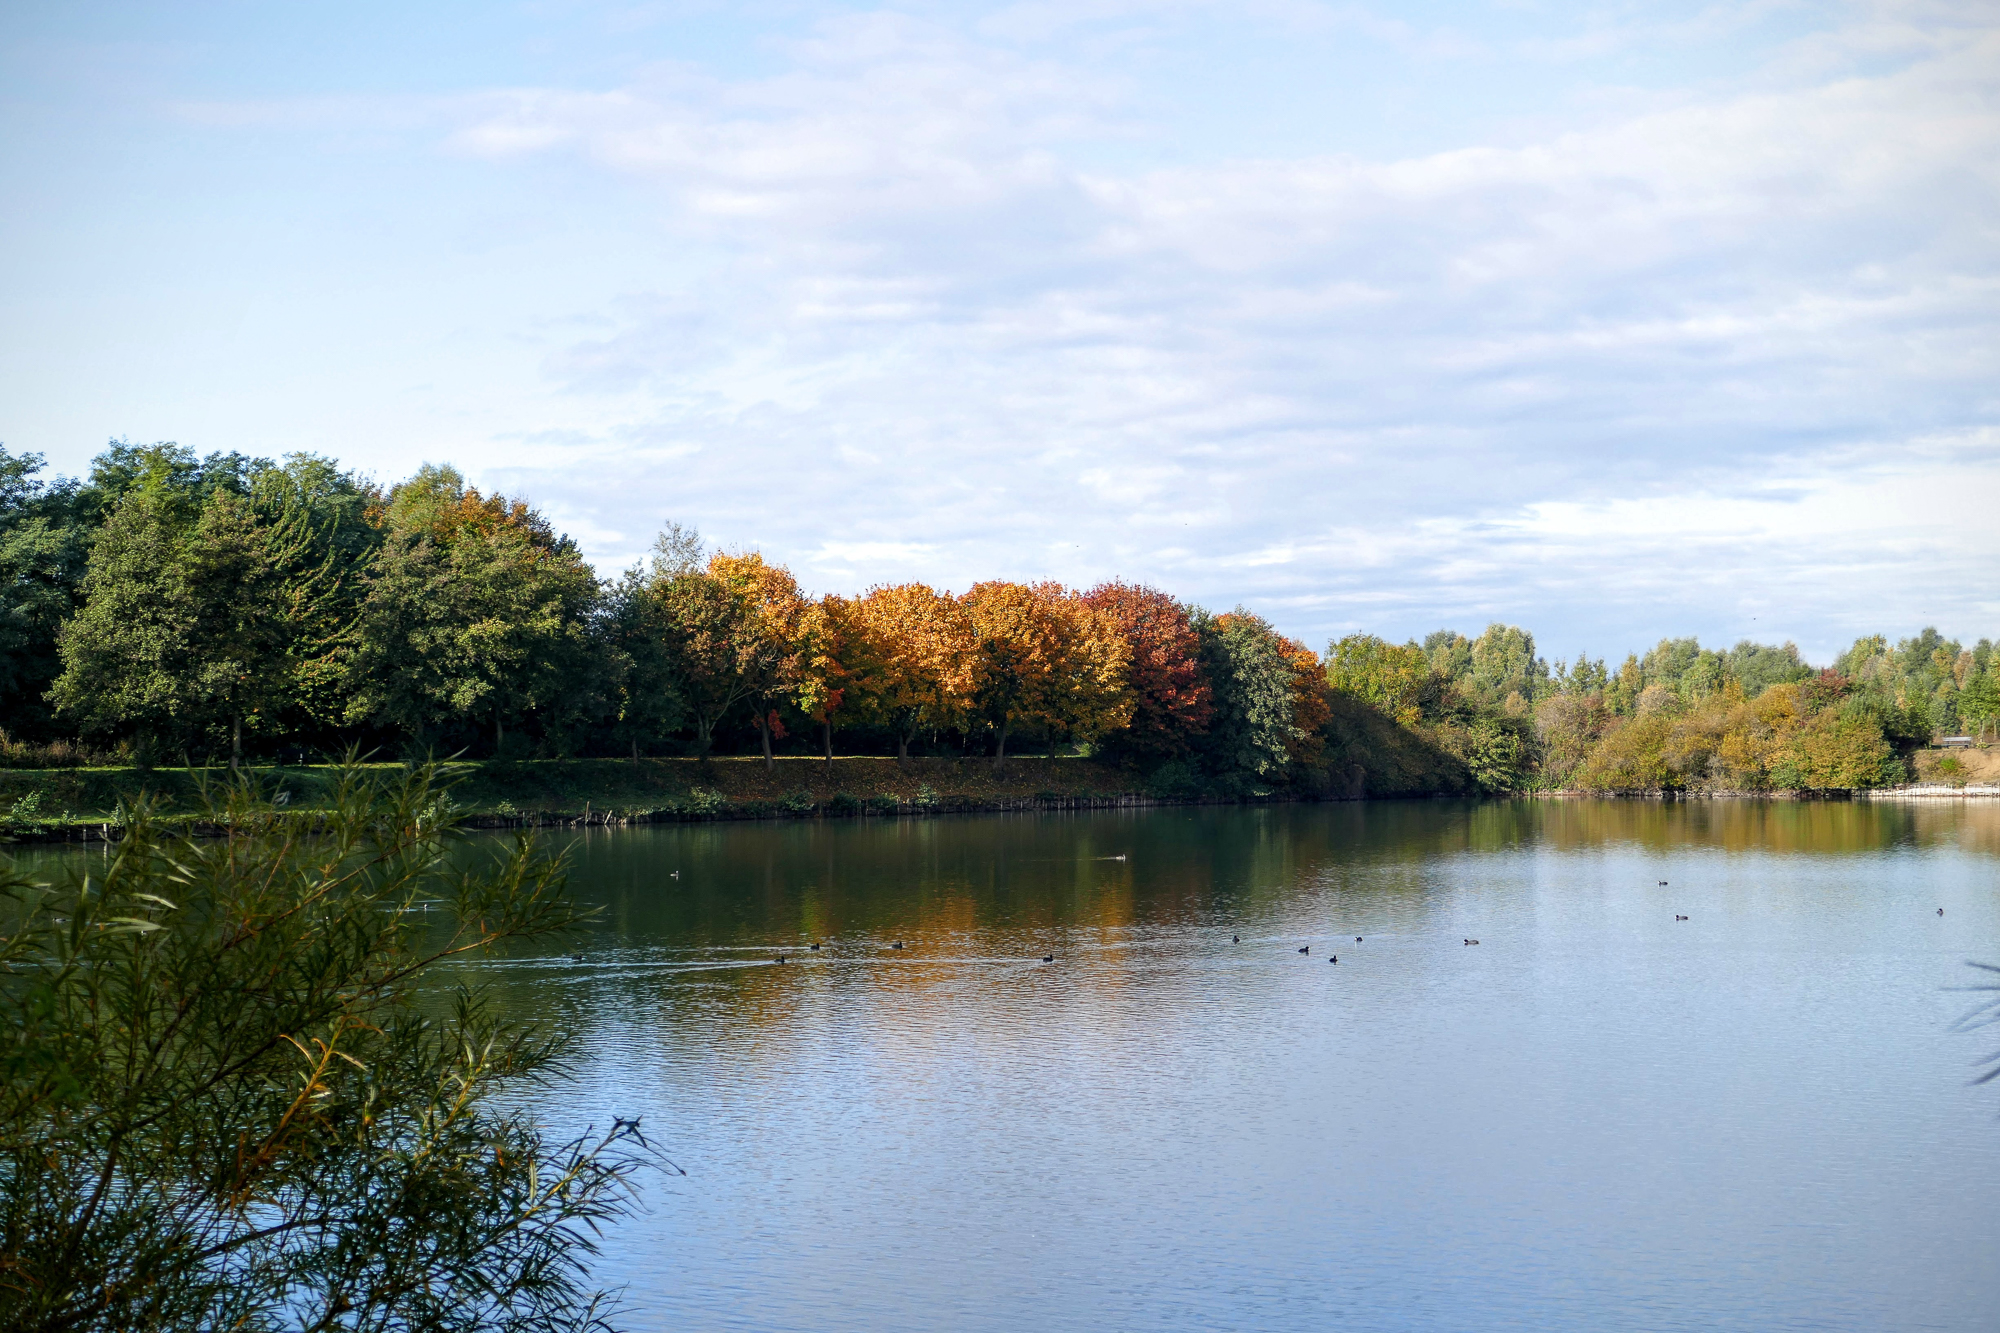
1730, 346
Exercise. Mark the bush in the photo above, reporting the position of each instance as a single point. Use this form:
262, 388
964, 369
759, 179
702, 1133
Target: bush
844, 803
233, 1101
884, 804
1174, 781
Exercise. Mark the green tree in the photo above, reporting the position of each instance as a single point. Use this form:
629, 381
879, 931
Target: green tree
1397, 679
235, 1100
183, 628
44, 550
1253, 729
476, 612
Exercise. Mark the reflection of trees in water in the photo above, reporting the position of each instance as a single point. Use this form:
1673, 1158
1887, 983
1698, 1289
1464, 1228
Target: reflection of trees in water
1001, 887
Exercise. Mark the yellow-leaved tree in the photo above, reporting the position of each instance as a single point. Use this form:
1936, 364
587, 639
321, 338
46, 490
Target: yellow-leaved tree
1047, 658
770, 652
910, 657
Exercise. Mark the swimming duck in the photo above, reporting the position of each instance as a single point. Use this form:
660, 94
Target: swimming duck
781, 958
897, 945
1048, 958
1236, 939
813, 947
1334, 959
1307, 948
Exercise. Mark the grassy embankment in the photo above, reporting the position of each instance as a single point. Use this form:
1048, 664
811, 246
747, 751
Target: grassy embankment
79, 802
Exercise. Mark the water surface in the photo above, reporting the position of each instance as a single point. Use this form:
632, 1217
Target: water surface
1597, 1117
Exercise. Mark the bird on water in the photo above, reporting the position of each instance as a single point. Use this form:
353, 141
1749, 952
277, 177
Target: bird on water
1334, 959
1940, 911
1357, 939
1306, 948
815, 948
897, 945
1238, 939
1048, 958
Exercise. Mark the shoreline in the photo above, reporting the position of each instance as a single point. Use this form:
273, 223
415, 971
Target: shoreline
82, 805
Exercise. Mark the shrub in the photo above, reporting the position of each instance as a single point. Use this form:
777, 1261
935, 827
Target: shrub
233, 1100
844, 803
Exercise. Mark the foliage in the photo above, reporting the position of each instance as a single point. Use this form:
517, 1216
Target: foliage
1253, 672
909, 658
1171, 700
474, 607
228, 1103
1045, 658
237, 605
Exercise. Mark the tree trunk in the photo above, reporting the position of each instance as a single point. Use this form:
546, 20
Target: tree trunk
635, 752
764, 733
1000, 748
236, 744
499, 736
704, 735
828, 725
902, 749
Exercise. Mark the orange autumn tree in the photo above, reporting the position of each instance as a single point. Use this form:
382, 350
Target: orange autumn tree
769, 645
909, 653
1047, 658
1171, 699
1311, 709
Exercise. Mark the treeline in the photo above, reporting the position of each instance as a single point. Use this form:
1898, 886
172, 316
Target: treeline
171, 608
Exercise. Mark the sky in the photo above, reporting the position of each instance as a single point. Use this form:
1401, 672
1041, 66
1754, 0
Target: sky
1613, 321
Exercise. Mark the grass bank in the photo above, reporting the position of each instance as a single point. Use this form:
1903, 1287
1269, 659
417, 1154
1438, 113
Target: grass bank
85, 803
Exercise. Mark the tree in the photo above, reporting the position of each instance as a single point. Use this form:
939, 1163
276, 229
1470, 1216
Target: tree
475, 608
769, 635
703, 618
1171, 700
233, 1099
183, 625
1398, 680
1044, 657
1254, 676
649, 702
910, 660
44, 551
824, 675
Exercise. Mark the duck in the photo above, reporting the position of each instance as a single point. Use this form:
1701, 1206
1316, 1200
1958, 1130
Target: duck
576, 958
897, 945
1679, 917
673, 874
1236, 939
1357, 939
1663, 884
781, 958
1048, 958
1334, 958
1305, 948
813, 947
1940, 911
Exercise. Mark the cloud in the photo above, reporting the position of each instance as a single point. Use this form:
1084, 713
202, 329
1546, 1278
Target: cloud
1635, 374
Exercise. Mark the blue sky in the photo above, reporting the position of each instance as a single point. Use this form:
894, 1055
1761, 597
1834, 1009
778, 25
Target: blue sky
1613, 320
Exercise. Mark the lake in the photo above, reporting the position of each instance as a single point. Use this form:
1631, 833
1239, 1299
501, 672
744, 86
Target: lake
1597, 1117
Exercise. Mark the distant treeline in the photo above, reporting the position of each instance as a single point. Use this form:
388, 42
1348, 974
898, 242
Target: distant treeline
172, 608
